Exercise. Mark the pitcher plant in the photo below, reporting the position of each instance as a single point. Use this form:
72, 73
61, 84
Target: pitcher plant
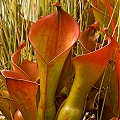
60, 82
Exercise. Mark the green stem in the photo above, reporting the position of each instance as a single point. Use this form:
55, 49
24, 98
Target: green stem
74, 106
46, 109
49, 76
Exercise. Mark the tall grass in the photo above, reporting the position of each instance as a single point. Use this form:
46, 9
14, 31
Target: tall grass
16, 17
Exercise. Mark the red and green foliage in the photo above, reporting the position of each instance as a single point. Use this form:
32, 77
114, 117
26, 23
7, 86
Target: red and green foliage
62, 84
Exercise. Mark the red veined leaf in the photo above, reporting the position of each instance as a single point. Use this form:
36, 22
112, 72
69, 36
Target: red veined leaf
49, 76
88, 44
15, 61
27, 67
12, 74
66, 74
52, 36
115, 89
16, 55
31, 69
23, 93
88, 68
9, 109
111, 80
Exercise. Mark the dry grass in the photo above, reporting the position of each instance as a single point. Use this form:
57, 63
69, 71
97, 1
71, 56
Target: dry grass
16, 18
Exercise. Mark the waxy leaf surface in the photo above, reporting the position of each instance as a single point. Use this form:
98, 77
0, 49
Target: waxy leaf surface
6, 110
88, 69
54, 34
52, 37
66, 74
115, 83
25, 99
20, 84
23, 93
27, 68
94, 63
88, 42
31, 69
49, 76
